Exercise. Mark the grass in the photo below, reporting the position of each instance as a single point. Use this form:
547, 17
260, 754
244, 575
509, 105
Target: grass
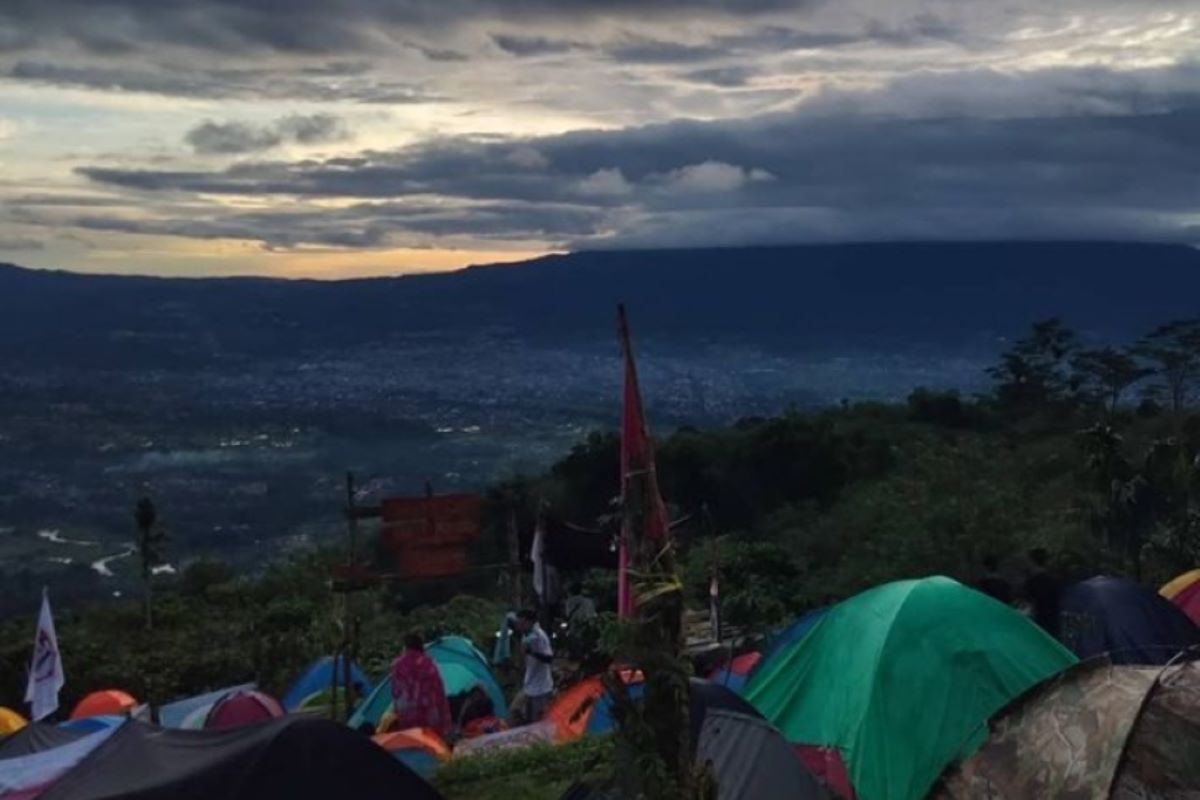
542, 772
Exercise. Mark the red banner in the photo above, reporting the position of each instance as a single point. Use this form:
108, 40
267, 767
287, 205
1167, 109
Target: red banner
431, 535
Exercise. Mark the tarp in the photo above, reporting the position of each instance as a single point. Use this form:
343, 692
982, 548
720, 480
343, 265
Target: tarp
191, 712
1184, 592
751, 761
284, 759
10, 721
898, 679
1133, 624
1097, 731
35, 774
36, 738
462, 667
312, 688
106, 701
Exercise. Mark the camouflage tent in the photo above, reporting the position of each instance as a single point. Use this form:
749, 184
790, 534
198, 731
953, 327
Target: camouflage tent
1096, 731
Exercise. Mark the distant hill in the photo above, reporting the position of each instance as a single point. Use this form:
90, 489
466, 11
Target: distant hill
952, 297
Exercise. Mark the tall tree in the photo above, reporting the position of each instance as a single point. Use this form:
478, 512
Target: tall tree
149, 545
1108, 372
1034, 373
1174, 349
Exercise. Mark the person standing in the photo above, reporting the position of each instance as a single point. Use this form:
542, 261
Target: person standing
1042, 589
993, 583
418, 694
538, 686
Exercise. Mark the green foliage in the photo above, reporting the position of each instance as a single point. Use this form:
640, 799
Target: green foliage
536, 773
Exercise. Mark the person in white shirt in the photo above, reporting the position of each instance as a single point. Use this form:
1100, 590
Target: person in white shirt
538, 687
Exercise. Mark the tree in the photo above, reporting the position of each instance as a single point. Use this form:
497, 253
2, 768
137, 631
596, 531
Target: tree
149, 545
1174, 349
1033, 374
1108, 372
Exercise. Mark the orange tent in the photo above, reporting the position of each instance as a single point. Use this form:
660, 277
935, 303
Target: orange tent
420, 749
102, 703
571, 709
10, 721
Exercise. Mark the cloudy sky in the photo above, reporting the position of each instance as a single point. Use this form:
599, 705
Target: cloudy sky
361, 137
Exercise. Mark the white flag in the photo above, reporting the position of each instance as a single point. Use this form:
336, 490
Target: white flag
45, 671
537, 556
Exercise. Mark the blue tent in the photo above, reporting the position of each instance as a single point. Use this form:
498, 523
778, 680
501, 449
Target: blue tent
794, 632
702, 696
462, 667
313, 686
93, 724
1125, 619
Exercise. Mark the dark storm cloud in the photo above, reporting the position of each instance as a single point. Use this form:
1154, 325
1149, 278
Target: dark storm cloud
329, 82
726, 77
532, 45
363, 225
306, 26
20, 244
234, 138
806, 174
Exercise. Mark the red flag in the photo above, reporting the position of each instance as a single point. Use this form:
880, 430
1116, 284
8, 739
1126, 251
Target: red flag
637, 460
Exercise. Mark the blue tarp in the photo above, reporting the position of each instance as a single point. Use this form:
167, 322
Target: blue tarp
1125, 619
195, 709
315, 682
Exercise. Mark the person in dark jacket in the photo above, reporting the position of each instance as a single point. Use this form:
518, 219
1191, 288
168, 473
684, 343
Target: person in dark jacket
1042, 589
993, 583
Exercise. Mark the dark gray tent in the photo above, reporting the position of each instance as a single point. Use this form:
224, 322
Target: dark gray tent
749, 759
752, 761
283, 759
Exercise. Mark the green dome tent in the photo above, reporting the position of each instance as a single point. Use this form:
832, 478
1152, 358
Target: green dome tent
461, 666
898, 681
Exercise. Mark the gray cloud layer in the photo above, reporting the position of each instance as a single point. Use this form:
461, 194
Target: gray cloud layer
236, 138
792, 176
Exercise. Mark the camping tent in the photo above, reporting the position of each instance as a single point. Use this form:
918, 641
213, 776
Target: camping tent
734, 674
314, 686
791, 634
243, 707
278, 760
191, 712
748, 758
1097, 731
10, 721
703, 696
419, 749
751, 761
104, 702
891, 683
462, 667
1184, 592
1116, 616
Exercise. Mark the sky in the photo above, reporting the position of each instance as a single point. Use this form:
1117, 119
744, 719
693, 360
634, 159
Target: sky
337, 138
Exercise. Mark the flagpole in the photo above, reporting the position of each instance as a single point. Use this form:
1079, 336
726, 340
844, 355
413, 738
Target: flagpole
624, 600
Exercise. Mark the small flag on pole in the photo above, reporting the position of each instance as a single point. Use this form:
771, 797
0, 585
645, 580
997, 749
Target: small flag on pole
538, 555
46, 677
